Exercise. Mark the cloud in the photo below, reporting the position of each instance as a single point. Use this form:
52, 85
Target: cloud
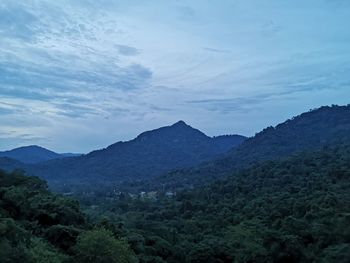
127, 50
123, 67
216, 50
40, 81
16, 22
250, 103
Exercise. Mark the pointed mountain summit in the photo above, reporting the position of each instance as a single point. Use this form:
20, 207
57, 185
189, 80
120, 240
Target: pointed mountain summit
181, 124
323, 127
149, 154
179, 131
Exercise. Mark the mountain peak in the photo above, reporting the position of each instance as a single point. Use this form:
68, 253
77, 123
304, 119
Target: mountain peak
30, 154
177, 130
30, 147
180, 123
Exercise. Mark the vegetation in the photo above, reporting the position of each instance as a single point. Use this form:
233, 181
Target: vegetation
292, 210
100, 246
37, 226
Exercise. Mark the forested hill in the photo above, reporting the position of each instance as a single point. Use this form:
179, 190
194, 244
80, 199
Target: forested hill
310, 130
30, 154
37, 226
149, 154
10, 164
291, 210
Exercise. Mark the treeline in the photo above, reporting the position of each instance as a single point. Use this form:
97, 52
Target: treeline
37, 226
291, 210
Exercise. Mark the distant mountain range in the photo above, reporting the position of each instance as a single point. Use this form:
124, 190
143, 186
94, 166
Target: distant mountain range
34, 154
325, 126
149, 154
179, 156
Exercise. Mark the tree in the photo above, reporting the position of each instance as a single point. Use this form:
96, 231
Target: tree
100, 246
41, 252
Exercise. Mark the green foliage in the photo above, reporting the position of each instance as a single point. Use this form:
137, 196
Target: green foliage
99, 246
36, 225
292, 210
13, 242
42, 252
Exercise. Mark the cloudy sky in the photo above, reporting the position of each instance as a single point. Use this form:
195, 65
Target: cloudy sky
77, 75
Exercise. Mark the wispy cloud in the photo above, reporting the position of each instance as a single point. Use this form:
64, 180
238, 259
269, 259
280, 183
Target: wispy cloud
122, 67
127, 50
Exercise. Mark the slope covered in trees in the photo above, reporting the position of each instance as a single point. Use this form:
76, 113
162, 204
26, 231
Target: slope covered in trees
308, 131
292, 210
37, 226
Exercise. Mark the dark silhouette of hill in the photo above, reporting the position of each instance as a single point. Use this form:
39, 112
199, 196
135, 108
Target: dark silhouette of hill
327, 125
70, 154
9, 164
149, 154
34, 154
30, 154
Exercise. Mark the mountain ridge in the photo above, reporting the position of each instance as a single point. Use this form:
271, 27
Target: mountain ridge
32, 154
149, 154
310, 130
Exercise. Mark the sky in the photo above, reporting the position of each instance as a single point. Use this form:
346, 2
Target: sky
78, 75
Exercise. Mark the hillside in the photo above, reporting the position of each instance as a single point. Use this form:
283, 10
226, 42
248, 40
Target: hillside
149, 154
292, 210
38, 226
308, 131
30, 154
9, 164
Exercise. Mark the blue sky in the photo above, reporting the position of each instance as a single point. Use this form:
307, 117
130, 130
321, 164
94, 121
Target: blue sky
79, 75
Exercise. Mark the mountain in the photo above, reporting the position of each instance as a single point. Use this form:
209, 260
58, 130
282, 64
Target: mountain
34, 154
308, 131
70, 154
149, 154
9, 164
292, 210
30, 154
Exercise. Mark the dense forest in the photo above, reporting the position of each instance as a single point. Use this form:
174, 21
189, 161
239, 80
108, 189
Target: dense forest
291, 210
40, 227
